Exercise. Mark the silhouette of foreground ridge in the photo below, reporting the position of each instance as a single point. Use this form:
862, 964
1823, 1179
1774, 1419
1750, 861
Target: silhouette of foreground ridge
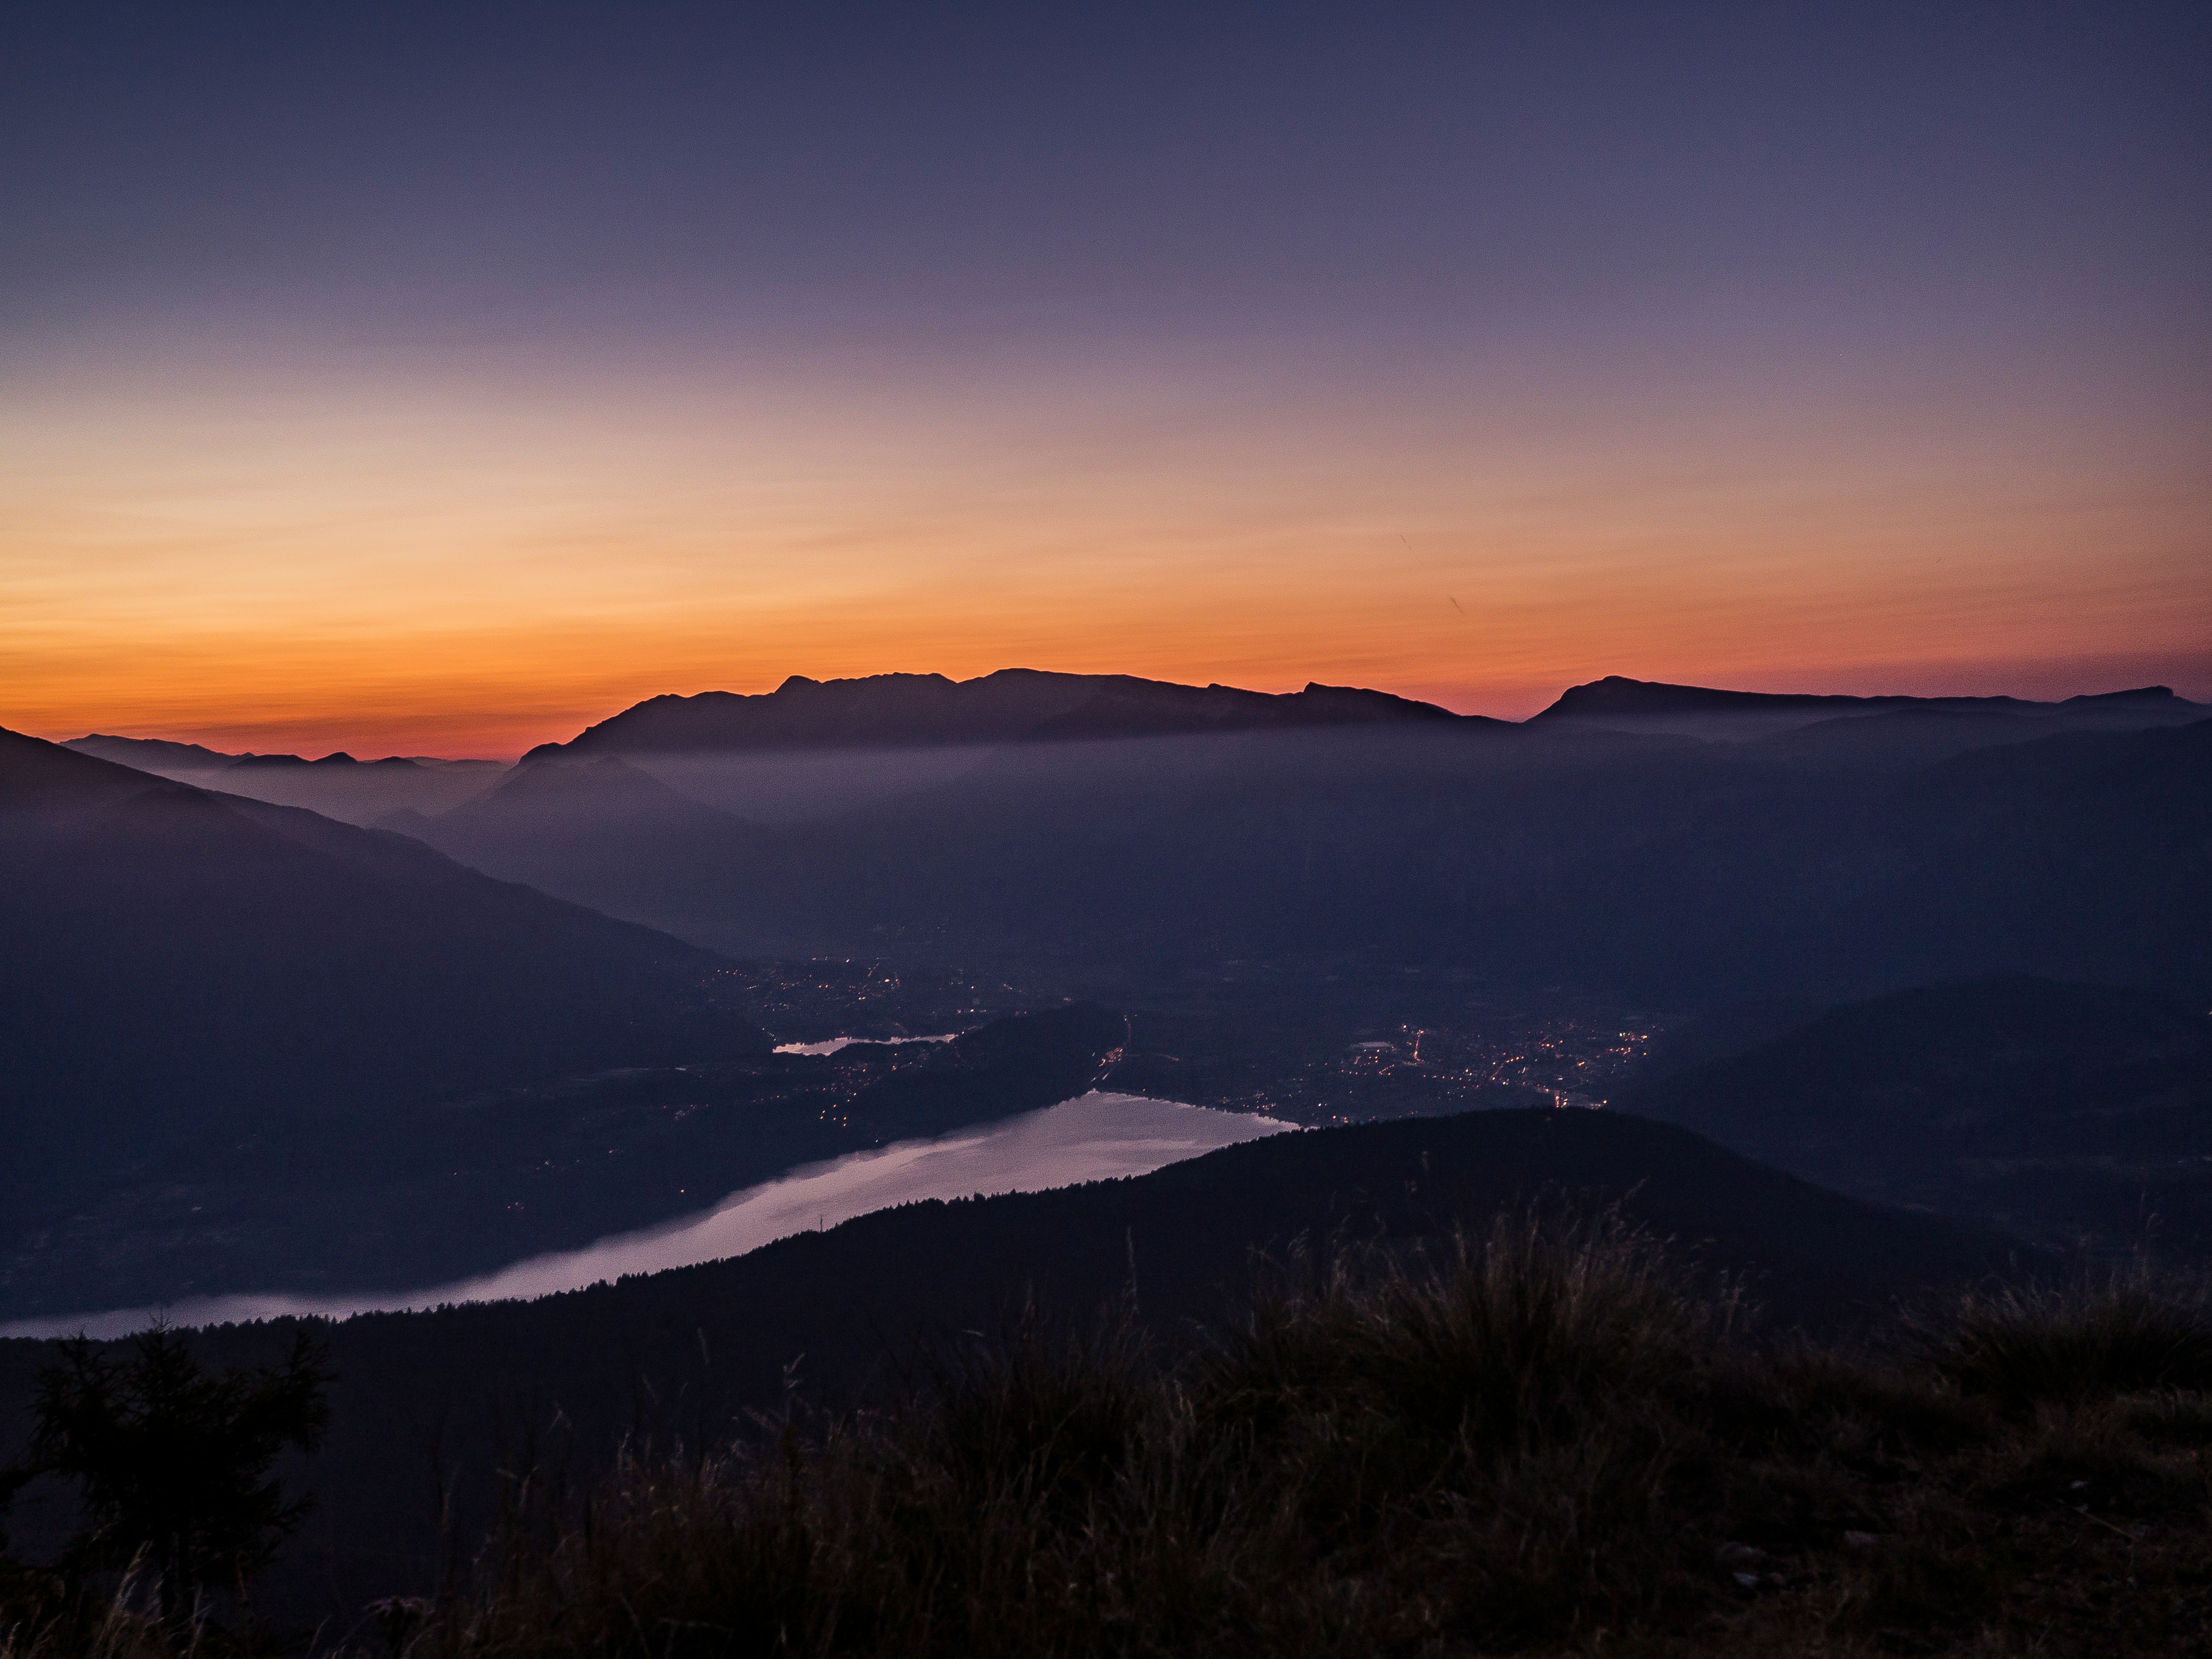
1537, 1435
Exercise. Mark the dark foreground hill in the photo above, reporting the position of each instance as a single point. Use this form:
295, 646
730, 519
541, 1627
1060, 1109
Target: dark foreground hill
2054, 1110
434, 1402
193, 983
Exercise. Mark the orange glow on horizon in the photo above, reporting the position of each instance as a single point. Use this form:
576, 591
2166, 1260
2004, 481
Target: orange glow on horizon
421, 568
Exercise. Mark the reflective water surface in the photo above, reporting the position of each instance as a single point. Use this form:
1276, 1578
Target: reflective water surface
1095, 1137
833, 1044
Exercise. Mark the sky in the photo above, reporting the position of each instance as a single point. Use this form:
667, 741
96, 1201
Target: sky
440, 378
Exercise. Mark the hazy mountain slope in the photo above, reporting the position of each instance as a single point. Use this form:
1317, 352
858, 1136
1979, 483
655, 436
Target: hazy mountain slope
2083, 856
1654, 867
2078, 856
337, 786
181, 971
1901, 737
1036, 853
2049, 1108
600, 831
885, 711
440, 1400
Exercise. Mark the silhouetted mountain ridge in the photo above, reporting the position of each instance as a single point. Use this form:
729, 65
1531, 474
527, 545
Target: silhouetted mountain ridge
159, 755
1013, 704
1619, 702
1616, 694
147, 753
338, 786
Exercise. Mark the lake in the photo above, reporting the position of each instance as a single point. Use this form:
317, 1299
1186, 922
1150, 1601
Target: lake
1094, 1137
833, 1044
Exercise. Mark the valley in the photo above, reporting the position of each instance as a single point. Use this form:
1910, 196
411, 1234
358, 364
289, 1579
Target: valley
525, 1106
1142, 831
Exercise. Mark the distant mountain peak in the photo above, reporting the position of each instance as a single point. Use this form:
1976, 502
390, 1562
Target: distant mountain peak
1628, 704
2142, 694
564, 783
1617, 694
142, 752
1012, 705
162, 755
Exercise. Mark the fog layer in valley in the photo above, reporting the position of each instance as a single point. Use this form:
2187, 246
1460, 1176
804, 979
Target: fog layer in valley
1837, 858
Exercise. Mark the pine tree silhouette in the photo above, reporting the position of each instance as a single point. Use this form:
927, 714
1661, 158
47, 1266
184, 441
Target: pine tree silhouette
172, 1463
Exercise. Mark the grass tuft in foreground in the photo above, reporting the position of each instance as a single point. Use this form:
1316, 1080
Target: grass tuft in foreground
1553, 1437
2116, 1332
1549, 1438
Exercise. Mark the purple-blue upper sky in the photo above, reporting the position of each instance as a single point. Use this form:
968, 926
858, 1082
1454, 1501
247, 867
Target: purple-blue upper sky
954, 170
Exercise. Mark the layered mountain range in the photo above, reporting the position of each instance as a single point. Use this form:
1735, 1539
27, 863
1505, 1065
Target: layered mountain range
246, 1046
1020, 705
159, 755
818, 747
337, 786
194, 982
1803, 851
200, 984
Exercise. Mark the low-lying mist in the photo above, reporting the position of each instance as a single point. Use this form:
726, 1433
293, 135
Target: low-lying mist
1827, 862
